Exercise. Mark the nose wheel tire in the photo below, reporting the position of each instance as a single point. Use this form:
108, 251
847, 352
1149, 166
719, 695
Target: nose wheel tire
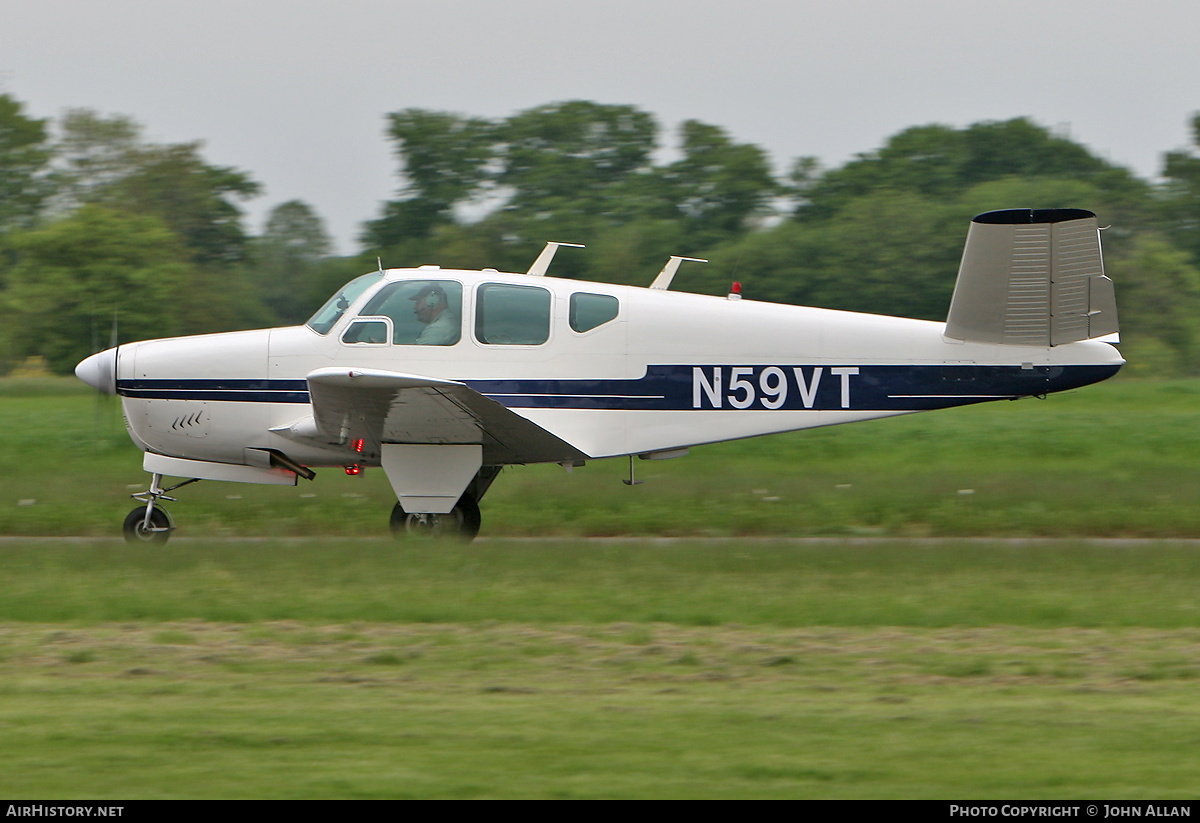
461, 523
135, 526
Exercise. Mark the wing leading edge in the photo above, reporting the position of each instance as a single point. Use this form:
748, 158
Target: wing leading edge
383, 407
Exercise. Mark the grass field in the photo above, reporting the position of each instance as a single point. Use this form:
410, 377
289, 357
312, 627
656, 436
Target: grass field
341, 668
751, 666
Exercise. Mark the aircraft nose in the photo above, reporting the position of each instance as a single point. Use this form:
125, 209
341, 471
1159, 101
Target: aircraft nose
100, 371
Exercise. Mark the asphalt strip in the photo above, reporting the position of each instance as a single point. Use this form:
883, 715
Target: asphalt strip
833, 542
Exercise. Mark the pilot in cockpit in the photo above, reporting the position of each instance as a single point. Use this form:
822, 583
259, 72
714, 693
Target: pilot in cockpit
431, 307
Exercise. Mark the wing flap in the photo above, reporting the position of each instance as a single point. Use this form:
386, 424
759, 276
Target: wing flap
378, 407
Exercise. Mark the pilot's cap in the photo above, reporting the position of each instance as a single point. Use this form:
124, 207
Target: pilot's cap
427, 290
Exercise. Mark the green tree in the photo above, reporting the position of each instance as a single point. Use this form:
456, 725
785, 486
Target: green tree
573, 156
1181, 206
890, 252
196, 200
939, 161
718, 185
634, 252
286, 260
1039, 192
71, 276
92, 154
1158, 302
562, 171
444, 161
104, 160
24, 154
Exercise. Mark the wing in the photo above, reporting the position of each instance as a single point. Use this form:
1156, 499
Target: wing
380, 407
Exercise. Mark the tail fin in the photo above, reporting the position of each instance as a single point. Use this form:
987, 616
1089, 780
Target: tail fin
1032, 278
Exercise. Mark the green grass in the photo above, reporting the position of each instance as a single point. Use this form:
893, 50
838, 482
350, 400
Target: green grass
363, 710
685, 583
620, 669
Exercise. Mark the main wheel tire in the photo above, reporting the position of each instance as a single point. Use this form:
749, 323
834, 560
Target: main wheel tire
135, 526
461, 523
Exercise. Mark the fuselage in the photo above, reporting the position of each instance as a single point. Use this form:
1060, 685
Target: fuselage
611, 370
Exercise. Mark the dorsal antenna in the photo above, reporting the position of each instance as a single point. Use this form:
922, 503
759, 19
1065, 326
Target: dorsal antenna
663, 281
542, 264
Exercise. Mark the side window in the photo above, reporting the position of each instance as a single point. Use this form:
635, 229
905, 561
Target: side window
367, 331
512, 315
423, 312
591, 310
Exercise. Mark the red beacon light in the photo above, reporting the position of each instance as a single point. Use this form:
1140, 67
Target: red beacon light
353, 469
735, 291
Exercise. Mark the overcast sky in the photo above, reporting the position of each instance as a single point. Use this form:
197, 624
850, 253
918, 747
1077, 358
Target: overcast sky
295, 92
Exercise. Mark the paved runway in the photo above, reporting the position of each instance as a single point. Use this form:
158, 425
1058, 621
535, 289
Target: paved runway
832, 542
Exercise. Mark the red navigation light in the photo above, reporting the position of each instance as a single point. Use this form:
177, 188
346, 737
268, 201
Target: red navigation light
358, 445
353, 469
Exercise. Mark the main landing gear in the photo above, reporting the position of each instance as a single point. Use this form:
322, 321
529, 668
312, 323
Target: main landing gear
461, 522
151, 523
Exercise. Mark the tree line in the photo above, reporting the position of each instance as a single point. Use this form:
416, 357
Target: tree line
99, 228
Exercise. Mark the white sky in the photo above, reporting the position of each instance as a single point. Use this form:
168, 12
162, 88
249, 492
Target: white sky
295, 92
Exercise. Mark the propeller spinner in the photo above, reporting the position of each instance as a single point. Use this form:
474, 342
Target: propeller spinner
100, 371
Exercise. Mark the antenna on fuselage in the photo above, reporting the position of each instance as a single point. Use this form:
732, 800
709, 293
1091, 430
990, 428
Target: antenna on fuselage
663, 281
379, 262
632, 481
539, 267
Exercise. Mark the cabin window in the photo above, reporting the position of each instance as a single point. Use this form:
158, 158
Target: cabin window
423, 312
512, 315
367, 331
328, 315
591, 310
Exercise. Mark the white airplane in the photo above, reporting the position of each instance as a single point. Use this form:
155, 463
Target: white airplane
442, 377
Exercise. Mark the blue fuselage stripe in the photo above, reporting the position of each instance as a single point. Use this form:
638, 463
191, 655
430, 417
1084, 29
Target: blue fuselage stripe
690, 387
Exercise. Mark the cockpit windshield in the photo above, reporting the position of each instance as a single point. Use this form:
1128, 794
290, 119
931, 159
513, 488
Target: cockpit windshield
332, 311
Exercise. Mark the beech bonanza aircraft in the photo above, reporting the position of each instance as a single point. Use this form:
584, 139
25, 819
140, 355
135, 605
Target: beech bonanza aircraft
443, 376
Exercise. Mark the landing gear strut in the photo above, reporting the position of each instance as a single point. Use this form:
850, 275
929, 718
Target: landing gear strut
151, 523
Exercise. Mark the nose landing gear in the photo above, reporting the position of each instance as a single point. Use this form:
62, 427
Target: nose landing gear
155, 528
151, 523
